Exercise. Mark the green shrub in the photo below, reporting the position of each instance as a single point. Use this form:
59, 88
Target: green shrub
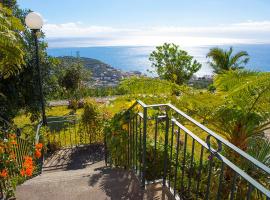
92, 120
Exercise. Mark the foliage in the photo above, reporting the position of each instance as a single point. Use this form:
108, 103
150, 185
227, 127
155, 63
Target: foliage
173, 64
93, 119
11, 44
259, 148
222, 60
11, 153
73, 77
154, 160
20, 90
116, 133
237, 111
75, 104
146, 85
201, 83
102, 92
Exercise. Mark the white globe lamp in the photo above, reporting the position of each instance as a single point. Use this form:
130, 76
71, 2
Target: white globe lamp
34, 21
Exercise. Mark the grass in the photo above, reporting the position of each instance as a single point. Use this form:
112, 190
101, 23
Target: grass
23, 119
28, 128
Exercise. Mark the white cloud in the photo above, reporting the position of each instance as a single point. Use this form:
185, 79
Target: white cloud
78, 34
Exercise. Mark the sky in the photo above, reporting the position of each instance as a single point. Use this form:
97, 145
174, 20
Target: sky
83, 23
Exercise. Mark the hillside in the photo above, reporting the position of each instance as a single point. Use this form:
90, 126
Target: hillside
102, 74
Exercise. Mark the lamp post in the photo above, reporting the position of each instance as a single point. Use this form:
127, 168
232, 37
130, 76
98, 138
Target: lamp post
34, 21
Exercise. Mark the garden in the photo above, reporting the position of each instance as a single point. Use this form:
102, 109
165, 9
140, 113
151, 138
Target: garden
235, 105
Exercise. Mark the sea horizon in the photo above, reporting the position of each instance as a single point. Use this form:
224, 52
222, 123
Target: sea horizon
136, 58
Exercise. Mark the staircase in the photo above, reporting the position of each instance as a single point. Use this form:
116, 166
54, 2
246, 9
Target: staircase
81, 174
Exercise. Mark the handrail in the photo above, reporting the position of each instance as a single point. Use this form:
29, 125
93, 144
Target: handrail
57, 121
40, 124
221, 139
132, 130
65, 116
216, 136
225, 160
37, 132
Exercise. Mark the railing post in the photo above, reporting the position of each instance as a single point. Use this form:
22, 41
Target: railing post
166, 150
144, 145
129, 131
105, 149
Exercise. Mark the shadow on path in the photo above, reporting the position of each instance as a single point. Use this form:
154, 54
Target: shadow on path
117, 183
120, 184
74, 158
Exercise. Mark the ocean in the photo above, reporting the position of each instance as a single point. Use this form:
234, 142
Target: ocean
135, 58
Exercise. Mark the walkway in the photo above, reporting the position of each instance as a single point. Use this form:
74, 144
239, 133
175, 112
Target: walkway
80, 174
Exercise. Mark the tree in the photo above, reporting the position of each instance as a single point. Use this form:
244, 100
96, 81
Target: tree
74, 77
222, 60
8, 3
11, 44
239, 109
18, 88
173, 64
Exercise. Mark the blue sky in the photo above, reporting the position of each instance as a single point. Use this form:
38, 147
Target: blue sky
151, 22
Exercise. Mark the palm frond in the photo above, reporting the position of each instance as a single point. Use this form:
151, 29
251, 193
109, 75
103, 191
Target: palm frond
239, 59
259, 148
222, 60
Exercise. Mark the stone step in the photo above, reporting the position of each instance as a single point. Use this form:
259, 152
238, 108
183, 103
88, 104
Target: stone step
94, 182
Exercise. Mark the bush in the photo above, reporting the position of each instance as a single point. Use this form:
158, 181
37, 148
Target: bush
116, 134
92, 120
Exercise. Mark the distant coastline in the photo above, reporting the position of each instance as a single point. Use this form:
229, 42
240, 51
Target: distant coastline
135, 58
102, 74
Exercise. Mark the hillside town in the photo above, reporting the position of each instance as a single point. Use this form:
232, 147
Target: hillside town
102, 74
111, 77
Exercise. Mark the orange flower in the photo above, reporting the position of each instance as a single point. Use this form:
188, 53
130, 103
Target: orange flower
28, 159
22, 172
29, 171
4, 173
39, 146
37, 154
28, 168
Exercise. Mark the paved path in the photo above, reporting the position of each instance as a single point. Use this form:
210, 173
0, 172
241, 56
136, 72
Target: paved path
97, 99
91, 181
74, 158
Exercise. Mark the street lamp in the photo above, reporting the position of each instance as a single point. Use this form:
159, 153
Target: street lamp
34, 21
